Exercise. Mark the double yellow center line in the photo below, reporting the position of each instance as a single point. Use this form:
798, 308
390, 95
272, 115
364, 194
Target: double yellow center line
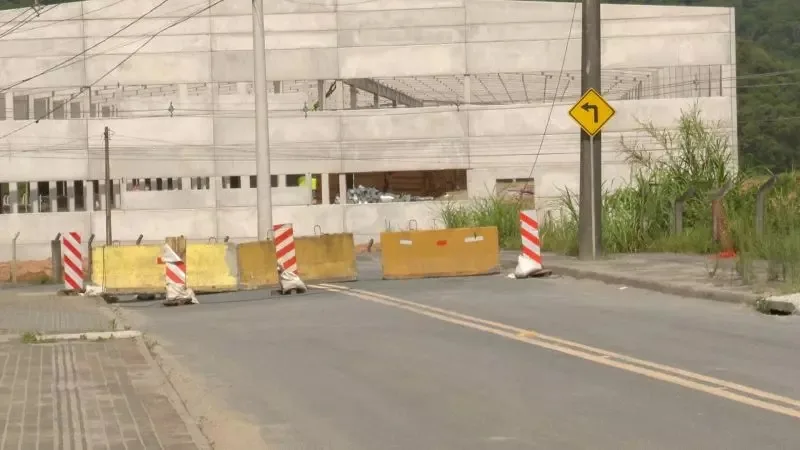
710, 385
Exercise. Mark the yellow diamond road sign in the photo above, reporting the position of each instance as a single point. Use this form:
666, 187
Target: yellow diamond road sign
592, 112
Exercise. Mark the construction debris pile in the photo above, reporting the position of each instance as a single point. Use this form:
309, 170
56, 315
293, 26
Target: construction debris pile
361, 195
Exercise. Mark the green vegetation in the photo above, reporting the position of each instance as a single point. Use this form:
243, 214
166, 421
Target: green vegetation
486, 212
29, 337
11, 4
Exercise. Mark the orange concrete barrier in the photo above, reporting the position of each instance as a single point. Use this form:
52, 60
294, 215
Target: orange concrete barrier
440, 253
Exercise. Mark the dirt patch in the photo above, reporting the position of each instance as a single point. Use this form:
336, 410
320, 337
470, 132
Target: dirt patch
27, 271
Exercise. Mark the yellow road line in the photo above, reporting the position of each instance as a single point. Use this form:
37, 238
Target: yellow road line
714, 386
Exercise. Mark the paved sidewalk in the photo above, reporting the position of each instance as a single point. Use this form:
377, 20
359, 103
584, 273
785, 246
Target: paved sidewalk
81, 395
686, 275
39, 309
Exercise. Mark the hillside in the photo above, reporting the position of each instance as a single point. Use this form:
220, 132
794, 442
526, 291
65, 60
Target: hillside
768, 69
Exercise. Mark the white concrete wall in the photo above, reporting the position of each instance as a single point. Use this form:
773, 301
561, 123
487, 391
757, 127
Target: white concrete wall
472, 137
354, 39
199, 224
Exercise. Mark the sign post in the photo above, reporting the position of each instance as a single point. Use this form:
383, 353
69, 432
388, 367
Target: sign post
591, 113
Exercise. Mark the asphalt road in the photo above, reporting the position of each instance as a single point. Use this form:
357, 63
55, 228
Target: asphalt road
528, 364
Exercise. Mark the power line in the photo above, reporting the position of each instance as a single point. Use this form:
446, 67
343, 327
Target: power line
124, 60
78, 55
490, 146
21, 23
84, 16
49, 23
14, 19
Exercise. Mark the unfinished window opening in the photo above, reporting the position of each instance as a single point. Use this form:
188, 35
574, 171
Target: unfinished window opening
21, 107
24, 197
62, 196
515, 188
43, 196
3, 107
96, 191
254, 181
59, 110
100, 194
174, 184
294, 180
93, 110
105, 111
200, 183
5, 198
232, 182
41, 108
405, 186
75, 110
80, 198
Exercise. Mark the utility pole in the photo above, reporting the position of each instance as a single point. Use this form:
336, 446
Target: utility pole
263, 173
589, 223
109, 187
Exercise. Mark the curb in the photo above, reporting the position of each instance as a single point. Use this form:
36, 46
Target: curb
156, 361
89, 336
710, 293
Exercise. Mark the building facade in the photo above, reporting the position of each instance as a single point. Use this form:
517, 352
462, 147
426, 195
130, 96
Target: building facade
473, 91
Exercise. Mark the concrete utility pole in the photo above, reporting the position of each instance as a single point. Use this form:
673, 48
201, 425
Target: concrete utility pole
109, 187
263, 173
589, 224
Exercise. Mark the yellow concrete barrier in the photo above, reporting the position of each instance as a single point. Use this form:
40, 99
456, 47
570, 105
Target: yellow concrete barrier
128, 269
134, 269
329, 257
211, 267
257, 265
440, 253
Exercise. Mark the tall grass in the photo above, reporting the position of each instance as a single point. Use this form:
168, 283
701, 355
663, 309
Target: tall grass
487, 212
638, 217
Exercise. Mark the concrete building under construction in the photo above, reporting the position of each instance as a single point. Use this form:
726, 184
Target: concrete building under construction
427, 99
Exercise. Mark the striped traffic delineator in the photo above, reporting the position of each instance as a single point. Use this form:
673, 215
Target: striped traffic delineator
529, 231
72, 256
284, 247
174, 266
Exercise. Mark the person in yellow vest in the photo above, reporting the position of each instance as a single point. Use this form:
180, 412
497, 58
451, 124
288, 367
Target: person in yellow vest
302, 182
314, 194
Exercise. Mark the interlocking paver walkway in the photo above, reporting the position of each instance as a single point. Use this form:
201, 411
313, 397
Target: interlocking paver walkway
40, 309
80, 395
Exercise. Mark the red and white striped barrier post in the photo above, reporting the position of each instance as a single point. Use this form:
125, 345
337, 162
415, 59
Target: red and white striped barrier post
284, 247
175, 277
72, 256
529, 231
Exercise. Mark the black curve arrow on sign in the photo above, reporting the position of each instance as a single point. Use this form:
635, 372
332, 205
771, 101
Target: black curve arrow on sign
587, 106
